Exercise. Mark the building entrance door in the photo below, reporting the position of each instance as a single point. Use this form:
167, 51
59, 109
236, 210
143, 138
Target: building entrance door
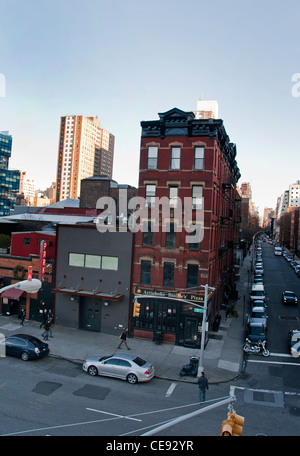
90, 314
190, 332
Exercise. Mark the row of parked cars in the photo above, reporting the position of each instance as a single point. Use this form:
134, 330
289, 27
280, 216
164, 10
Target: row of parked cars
295, 264
257, 318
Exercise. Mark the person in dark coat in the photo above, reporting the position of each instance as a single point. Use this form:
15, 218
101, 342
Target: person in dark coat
22, 317
123, 338
46, 333
203, 386
44, 318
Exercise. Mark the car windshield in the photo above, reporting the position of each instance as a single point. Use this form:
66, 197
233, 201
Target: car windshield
258, 293
104, 357
139, 361
258, 315
289, 293
257, 331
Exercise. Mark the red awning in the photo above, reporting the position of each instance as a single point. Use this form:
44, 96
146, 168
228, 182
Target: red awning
12, 293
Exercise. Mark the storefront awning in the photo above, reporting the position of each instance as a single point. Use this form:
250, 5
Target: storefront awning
92, 294
12, 293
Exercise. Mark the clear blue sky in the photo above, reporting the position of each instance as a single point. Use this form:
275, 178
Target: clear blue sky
126, 60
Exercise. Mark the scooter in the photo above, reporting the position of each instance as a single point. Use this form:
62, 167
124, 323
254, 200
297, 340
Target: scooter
260, 347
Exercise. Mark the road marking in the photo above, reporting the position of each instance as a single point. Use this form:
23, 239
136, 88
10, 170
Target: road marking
112, 414
273, 362
284, 355
171, 389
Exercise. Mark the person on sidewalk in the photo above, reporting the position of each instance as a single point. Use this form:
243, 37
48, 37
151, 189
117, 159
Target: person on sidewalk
50, 321
203, 386
46, 333
22, 317
123, 338
44, 318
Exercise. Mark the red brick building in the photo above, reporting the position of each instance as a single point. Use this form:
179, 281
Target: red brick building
188, 161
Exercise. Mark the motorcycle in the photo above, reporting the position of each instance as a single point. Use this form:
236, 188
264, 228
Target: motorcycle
259, 347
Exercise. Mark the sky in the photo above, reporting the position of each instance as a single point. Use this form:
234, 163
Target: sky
127, 60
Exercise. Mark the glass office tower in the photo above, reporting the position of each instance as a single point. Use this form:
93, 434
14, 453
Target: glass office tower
9, 179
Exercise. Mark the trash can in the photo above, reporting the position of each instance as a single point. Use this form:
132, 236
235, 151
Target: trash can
158, 337
194, 360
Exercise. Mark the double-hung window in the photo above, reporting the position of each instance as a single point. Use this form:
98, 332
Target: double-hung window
173, 195
168, 274
192, 275
199, 158
175, 157
197, 196
150, 194
152, 157
145, 272
171, 235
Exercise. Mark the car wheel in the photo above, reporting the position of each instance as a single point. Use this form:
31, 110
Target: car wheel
131, 378
92, 370
24, 356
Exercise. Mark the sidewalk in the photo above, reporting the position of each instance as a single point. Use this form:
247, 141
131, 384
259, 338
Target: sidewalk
223, 353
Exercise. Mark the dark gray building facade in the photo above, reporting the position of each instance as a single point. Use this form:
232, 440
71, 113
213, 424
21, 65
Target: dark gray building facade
92, 278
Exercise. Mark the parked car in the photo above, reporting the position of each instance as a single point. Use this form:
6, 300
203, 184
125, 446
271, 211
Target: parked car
122, 365
258, 315
294, 342
257, 292
258, 303
289, 297
25, 346
259, 270
256, 332
258, 279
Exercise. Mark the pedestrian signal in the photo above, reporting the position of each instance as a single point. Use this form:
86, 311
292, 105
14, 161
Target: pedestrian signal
233, 426
136, 309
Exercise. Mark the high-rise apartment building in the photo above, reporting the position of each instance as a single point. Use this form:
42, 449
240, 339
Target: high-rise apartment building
294, 194
9, 179
27, 186
85, 149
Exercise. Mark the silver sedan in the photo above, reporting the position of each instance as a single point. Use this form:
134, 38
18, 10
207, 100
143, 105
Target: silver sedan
124, 366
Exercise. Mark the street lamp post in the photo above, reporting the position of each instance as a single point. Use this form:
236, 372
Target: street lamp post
203, 332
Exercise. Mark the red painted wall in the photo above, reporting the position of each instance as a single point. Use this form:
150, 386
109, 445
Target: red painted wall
18, 248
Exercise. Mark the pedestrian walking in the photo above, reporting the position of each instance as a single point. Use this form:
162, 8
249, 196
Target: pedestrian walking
50, 321
203, 386
46, 333
22, 317
44, 318
123, 338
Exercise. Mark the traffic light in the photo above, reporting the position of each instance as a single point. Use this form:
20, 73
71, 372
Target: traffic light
233, 426
136, 309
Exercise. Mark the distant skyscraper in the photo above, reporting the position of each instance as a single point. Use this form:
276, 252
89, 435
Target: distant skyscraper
245, 190
85, 149
9, 179
294, 194
26, 186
